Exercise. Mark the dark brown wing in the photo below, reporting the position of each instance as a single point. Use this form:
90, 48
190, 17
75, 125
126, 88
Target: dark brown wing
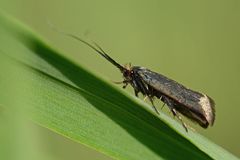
194, 101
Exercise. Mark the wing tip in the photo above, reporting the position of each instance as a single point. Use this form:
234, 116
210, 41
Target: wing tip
208, 106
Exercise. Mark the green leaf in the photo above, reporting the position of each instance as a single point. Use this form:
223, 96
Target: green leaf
66, 98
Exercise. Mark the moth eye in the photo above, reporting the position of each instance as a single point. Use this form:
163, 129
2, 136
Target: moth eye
125, 73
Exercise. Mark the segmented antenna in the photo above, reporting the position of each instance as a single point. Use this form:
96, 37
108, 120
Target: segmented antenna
99, 50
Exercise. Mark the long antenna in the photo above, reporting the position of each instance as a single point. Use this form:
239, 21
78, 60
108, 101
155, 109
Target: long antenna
99, 50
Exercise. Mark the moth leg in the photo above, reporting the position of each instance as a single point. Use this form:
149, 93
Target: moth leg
125, 85
163, 105
118, 82
122, 82
171, 106
151, 100
136, 92
161, 98
175, 113
144, 99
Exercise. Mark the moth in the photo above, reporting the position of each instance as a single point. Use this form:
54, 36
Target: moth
194, 105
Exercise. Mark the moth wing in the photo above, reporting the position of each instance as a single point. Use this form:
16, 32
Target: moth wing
167, 86
194, 101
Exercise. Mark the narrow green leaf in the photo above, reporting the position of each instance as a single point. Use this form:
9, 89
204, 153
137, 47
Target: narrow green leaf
71, 101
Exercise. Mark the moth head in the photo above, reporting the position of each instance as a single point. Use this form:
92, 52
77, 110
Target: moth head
127, 72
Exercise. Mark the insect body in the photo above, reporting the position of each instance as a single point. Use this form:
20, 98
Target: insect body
196, 106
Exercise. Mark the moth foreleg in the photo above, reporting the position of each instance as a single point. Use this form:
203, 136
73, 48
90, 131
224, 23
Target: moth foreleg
118, 82
125, 82
125, 85
151, 100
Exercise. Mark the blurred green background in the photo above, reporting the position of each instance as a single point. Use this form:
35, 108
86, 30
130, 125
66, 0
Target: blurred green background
193, 42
